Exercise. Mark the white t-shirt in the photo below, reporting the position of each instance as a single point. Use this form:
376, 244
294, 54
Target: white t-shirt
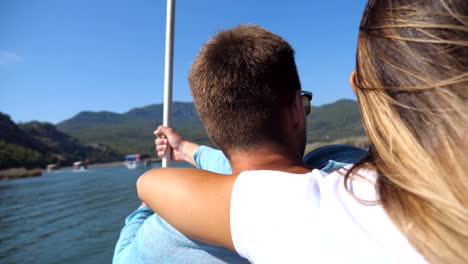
279, 217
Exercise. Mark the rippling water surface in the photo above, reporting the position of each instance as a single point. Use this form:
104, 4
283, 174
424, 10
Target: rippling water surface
66, 216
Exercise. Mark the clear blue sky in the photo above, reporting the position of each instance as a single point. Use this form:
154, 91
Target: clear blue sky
58, 58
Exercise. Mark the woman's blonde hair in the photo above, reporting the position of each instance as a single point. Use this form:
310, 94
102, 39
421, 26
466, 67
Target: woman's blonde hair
412, 87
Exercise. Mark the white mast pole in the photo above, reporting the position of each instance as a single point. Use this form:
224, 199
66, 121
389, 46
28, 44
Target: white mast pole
168, 72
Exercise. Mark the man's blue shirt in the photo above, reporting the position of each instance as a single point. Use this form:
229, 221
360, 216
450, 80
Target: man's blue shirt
147, 238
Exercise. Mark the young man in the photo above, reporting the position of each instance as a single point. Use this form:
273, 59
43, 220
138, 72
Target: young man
247, 92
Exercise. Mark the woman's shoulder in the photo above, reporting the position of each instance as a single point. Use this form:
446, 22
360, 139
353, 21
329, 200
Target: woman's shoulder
362, 180
313, 210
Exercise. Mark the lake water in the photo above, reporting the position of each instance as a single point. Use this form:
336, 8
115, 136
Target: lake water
66, 216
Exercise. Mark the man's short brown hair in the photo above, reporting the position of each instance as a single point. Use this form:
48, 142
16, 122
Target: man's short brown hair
240, 82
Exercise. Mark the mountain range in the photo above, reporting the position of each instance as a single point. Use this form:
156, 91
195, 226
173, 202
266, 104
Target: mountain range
133, 131
107, 136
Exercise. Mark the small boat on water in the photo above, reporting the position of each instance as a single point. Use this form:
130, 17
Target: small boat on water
52, 167
79, 166
133, 161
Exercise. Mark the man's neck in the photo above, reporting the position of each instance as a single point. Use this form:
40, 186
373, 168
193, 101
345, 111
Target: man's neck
267, 157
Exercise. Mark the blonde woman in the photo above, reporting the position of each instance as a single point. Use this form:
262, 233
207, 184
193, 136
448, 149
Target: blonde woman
406, 202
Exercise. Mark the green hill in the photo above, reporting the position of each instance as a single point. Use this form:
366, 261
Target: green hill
338, 120
37, 144
133, 131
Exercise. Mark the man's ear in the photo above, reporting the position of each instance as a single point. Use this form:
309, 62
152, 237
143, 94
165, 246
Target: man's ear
297, 109
352, 81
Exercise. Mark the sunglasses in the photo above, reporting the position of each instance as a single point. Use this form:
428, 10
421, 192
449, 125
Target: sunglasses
306, 98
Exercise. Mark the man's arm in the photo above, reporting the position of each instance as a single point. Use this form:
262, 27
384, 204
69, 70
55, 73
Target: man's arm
127, 249
211, 159
156, 241
202, 157
196, 202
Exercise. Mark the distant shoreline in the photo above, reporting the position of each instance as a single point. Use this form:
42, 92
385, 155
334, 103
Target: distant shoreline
106, 164
115, 163
19, 173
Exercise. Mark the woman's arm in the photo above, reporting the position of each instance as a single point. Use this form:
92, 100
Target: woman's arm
196, 202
